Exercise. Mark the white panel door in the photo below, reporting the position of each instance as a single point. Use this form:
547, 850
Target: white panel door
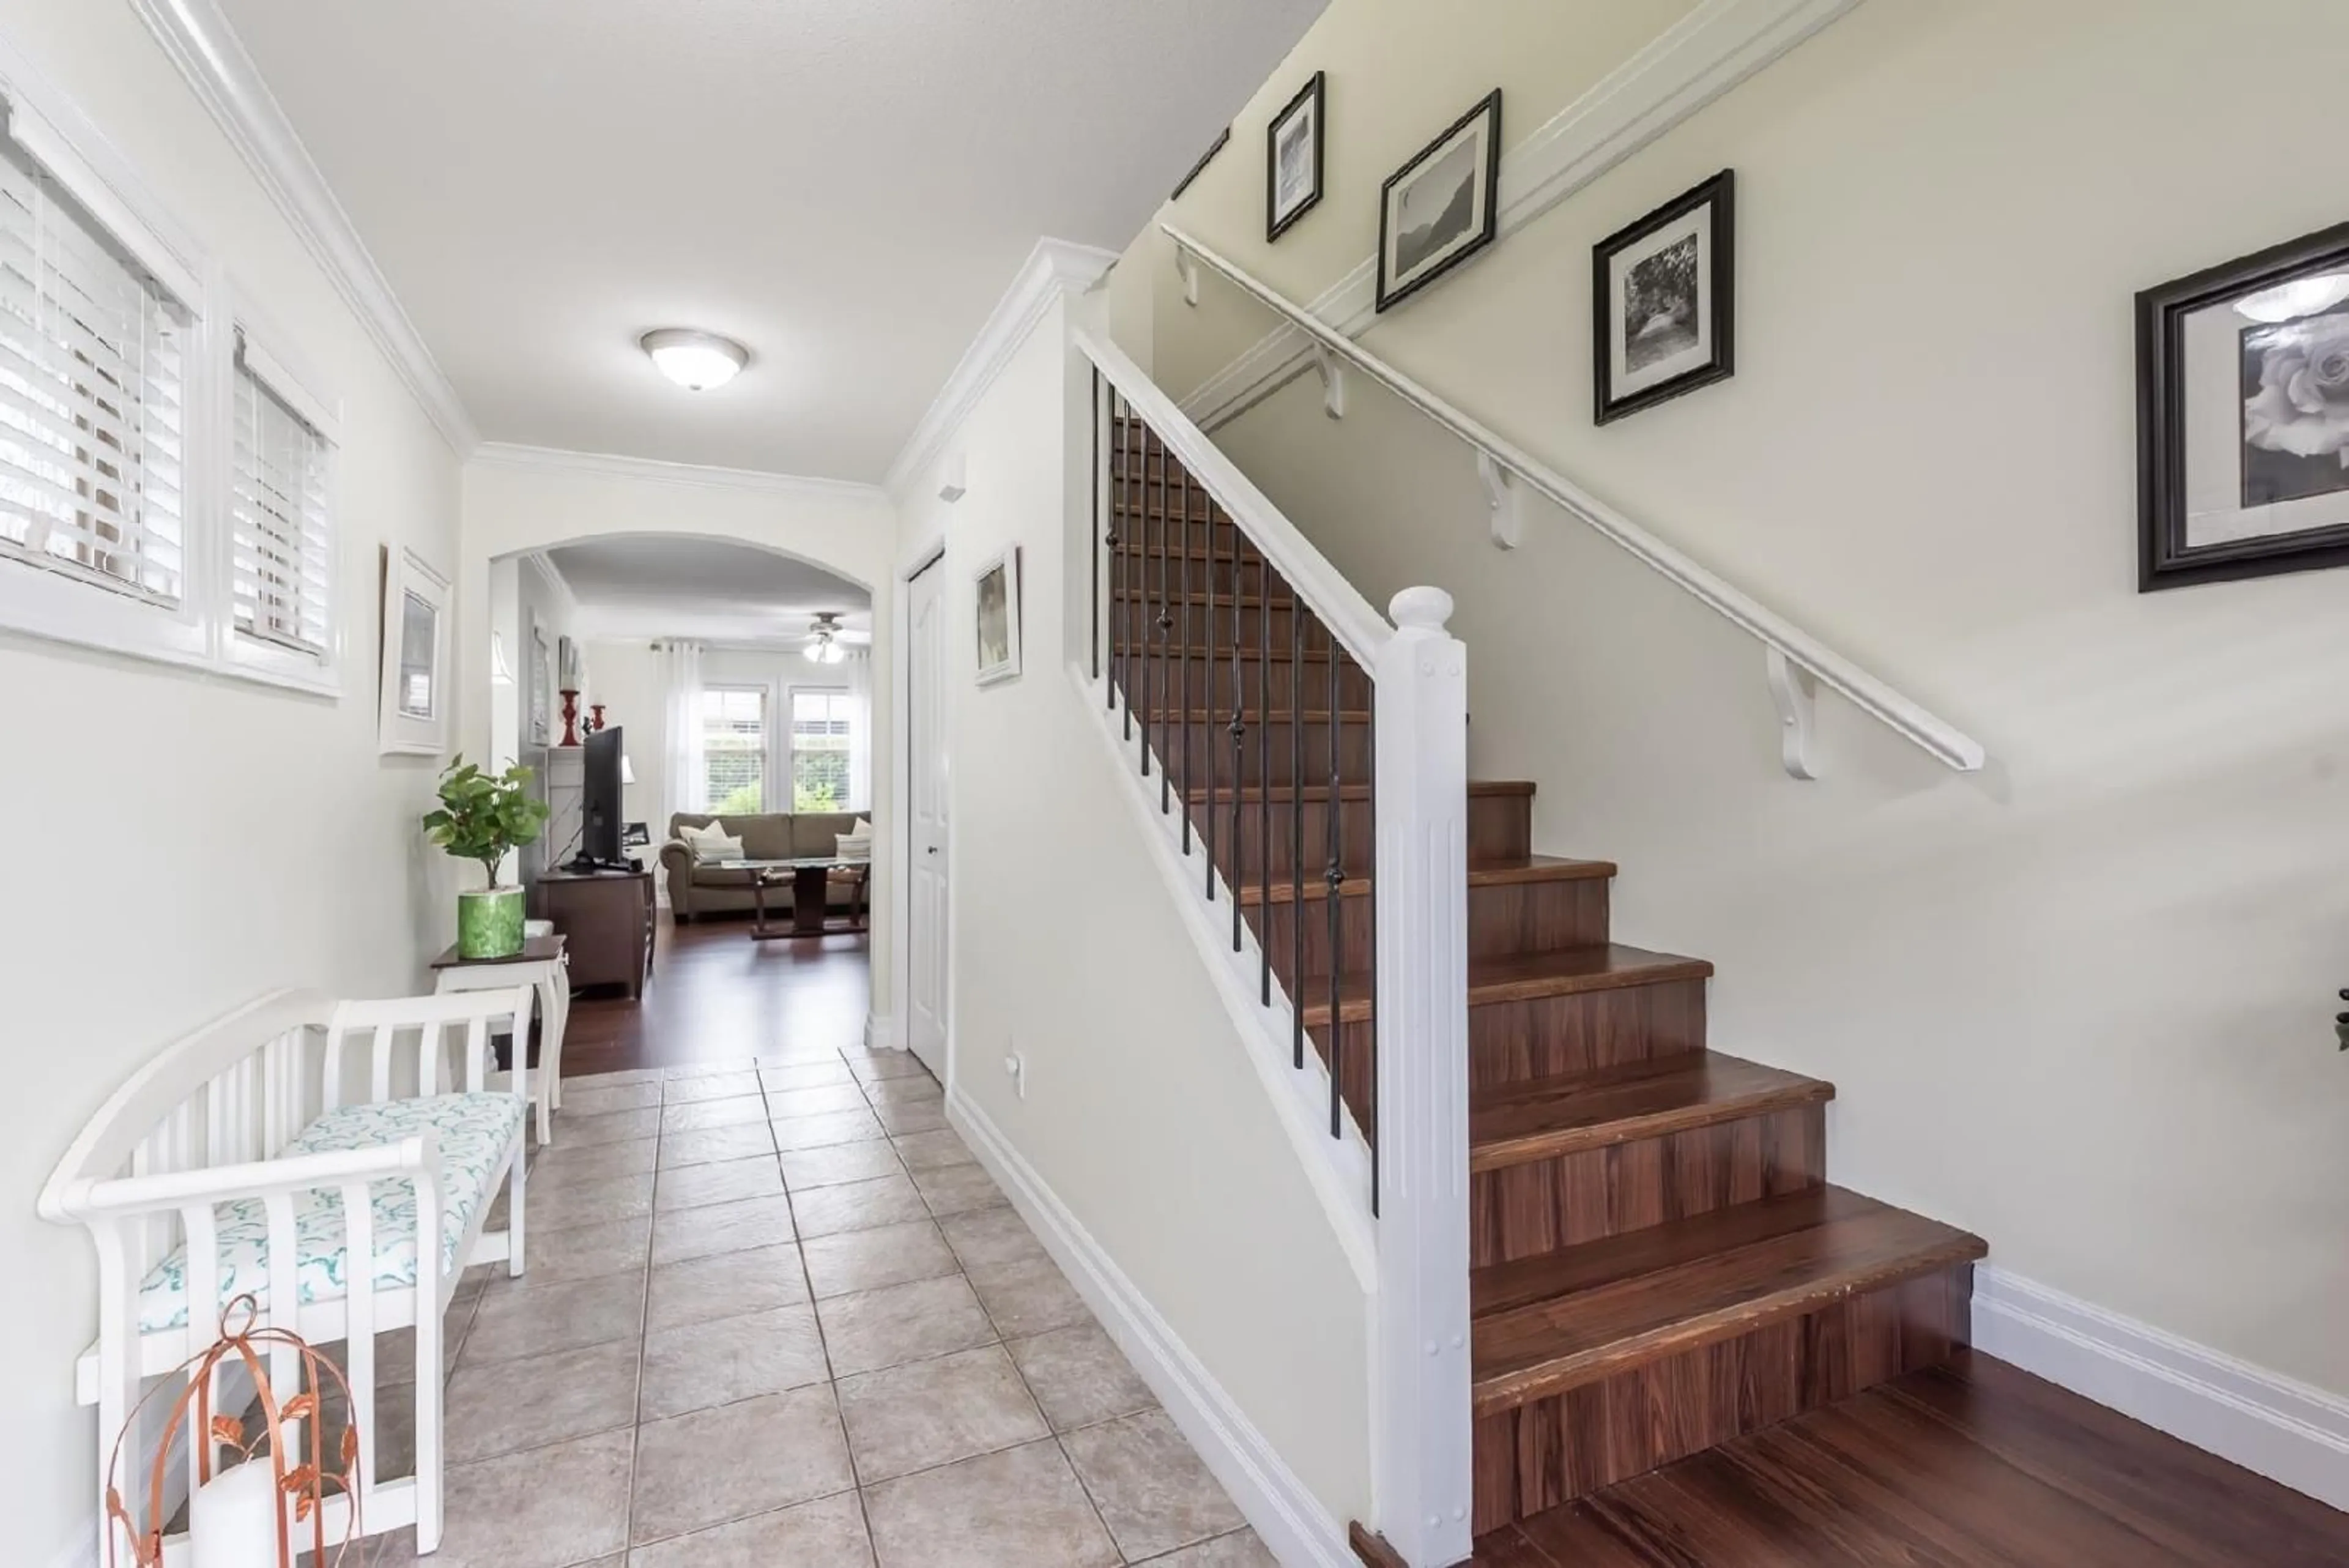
927, 936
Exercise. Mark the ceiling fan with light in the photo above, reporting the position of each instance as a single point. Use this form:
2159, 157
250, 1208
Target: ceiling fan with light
823, 640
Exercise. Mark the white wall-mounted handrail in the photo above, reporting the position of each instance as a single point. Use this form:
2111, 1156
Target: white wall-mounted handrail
1907, 719
1358, 627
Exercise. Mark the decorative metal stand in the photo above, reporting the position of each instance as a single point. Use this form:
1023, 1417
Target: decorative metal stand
302, 1479
570, 717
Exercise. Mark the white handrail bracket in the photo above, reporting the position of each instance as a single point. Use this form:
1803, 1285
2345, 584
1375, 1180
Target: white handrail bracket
1797, 694
1186, 268
1332, 372
1501, 492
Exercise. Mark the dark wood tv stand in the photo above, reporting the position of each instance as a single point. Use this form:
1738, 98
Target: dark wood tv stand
607, 919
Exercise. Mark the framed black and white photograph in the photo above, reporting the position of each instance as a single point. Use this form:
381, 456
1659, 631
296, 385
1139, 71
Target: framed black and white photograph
1204, 159
1292, 154
2243, 417
1664, 301
1442, 207
996, 593
539, 718
412, 712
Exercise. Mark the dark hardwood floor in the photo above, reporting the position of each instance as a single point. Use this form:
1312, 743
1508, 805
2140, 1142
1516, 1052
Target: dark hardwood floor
1971, 1465
717, 993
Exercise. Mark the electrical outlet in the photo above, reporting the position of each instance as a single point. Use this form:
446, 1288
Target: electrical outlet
1016, 1065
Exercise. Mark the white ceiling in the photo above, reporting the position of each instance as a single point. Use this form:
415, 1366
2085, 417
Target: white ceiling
847, 186
633, 586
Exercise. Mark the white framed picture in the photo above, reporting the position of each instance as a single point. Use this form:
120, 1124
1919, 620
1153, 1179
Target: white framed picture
995, 596
539, 718
412, 717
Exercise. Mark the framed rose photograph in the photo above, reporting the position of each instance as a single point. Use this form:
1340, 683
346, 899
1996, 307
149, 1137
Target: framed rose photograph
1664, 301
2243, 417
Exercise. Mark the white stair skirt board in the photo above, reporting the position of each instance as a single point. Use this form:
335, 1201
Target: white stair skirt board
2285, 1430
1296, 1528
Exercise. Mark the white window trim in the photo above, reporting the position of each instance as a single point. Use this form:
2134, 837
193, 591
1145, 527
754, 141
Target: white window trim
272, 361
200, 633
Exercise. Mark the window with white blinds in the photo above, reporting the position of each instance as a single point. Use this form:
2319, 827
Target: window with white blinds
281, 537
93, 381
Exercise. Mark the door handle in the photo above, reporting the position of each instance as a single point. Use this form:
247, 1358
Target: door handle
933, 849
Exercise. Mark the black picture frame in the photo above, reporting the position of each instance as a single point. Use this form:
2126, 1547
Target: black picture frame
1719, 193
2165, 558
1310, 95
1392, 289
1204, 159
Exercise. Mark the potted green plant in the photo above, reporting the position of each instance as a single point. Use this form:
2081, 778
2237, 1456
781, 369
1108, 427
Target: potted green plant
485, 818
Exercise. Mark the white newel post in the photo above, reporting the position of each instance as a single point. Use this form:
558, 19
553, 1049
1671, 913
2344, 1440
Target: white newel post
1424, 1473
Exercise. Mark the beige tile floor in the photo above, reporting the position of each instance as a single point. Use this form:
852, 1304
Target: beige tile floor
777, 1317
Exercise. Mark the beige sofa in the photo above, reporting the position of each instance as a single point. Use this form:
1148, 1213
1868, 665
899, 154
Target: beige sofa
708, 887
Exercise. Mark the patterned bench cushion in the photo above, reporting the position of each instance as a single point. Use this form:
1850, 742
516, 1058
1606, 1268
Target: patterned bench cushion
474, 1132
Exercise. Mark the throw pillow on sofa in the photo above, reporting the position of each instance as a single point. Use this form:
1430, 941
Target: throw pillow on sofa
857, 843
710, 843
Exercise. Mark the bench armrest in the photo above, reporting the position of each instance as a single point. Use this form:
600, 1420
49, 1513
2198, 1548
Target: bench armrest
254, 1179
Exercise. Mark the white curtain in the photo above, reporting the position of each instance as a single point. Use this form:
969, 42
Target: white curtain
685, 782
859, 669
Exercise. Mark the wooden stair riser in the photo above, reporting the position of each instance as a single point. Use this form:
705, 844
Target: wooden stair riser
1513, 1041
1134, 629
1499, 828
1217, 679
1502, 920
1542, 1206
1552, 1451
1211, 749
1152, 572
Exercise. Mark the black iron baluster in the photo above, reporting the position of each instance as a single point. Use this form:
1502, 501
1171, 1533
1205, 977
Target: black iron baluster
1137, 545
1164, 623
1101, 482
1264, 761
1206, 697
1239, 739
1297, 814
1182, 713
1378, 1108
1337, 879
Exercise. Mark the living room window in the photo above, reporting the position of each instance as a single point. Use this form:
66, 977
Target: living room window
822, 734
734, 749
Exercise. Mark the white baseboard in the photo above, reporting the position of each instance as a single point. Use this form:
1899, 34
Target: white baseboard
1296, 1528
2285, 1430
881, 1032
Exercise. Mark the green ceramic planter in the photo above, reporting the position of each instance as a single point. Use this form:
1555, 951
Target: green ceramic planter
489, 923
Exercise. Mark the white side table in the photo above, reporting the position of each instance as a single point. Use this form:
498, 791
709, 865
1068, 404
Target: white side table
543, 965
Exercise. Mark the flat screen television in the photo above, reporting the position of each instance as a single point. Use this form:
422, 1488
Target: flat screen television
600, 806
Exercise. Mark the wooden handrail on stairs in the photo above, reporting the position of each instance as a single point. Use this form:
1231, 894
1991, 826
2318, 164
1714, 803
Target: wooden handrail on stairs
1793, 657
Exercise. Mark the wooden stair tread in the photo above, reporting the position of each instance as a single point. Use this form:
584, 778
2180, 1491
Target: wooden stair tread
1523, 977
1498, 873
1543, 1118
1608, 1305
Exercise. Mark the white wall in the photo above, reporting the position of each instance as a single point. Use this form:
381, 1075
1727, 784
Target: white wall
516, 501
2080, 1003
1142, 1112
628, 682
181, 843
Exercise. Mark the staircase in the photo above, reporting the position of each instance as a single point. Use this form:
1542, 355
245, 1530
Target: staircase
1657, 1263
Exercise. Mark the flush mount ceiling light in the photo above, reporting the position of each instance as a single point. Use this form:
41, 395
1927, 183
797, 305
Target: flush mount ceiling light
823, 640
694, 360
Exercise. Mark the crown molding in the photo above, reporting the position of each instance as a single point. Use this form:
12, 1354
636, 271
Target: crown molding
1687, 66
654, 471
208, 54
556, 583
1053, 270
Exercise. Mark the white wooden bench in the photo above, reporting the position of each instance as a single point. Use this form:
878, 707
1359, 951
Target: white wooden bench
263, 1153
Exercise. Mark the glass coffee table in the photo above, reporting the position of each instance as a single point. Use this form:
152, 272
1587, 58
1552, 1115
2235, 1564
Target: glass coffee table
810, 878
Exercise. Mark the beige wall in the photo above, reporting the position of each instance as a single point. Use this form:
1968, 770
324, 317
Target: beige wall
1398, 72
1142, 1112
509, 507
182, 842
2082, 1002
